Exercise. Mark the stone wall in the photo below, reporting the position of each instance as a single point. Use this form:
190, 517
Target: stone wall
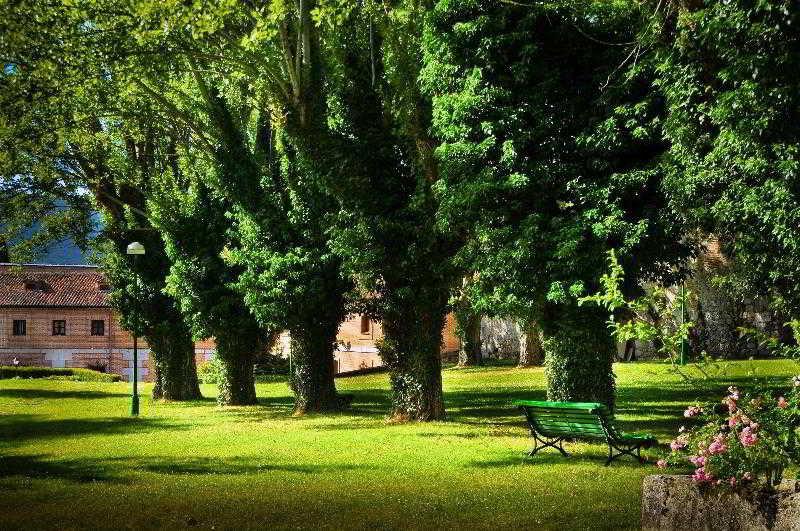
679, 503
500, 338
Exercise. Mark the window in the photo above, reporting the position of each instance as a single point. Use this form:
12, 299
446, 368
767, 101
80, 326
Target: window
364, 324
59, 327
98, 327
34, 285
20, 327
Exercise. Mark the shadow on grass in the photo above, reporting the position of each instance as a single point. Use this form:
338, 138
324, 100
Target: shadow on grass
542, 458
118, 469
367, 404
230, 466
54, 394
662, 405
40, 467
480, 408
17, 429
203, 401
496, 408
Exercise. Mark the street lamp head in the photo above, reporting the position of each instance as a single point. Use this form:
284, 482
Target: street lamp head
135, 248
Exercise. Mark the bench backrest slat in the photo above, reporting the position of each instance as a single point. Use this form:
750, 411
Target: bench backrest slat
566, 419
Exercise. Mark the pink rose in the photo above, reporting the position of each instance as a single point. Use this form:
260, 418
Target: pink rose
718, 445
700, 475
678, 444
783, 403
662, 464
692, 411
698, 460
732, 481
732, 404
748, 437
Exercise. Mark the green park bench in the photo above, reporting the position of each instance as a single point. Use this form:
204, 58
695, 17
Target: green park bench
553, 422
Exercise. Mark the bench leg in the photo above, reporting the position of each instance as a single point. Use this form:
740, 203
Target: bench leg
633, 451
540, 444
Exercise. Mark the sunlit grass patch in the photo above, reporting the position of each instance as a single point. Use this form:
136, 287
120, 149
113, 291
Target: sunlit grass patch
71, 457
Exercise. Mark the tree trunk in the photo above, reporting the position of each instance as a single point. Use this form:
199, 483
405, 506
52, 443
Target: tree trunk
579, 352
175, 370
236, 354
630, 350
469, 327
411, 347
312, 368
531, 352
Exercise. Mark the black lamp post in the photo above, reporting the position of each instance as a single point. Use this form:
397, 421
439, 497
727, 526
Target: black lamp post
135, 249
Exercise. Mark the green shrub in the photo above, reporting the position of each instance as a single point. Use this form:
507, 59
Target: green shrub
578, 363
74, 374
209, 371
268, 368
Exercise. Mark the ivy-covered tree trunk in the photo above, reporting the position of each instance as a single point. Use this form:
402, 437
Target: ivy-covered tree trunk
175, 369
236, 354
579, 353
312, 368
411, 349
469, 329
531, 352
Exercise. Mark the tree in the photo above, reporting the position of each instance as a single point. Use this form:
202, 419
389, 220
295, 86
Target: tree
544, 164
388, 200
358, 122
138, 286
275, 209
468, 327
728, 74
69, 132
195, 228
531, 352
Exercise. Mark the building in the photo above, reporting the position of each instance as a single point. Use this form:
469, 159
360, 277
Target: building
59, 316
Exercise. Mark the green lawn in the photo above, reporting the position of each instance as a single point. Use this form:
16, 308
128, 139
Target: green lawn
71, 457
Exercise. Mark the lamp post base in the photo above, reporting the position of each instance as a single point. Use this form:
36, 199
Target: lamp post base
135, 406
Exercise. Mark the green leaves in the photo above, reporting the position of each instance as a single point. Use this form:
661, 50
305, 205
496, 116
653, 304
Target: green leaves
728, 73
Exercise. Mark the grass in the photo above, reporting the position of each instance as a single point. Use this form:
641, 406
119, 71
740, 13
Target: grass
71, 458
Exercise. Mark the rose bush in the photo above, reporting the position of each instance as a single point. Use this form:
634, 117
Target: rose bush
746, 437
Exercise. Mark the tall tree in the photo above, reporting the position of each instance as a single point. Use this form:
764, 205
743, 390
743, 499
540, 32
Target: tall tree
729, 73
544, 165
278, 212
468, 325
195, 226
71, 135
376, 131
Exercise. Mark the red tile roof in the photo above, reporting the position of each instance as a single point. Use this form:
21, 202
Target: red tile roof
52, 286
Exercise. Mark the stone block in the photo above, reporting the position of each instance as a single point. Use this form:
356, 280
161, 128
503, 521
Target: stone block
679, 503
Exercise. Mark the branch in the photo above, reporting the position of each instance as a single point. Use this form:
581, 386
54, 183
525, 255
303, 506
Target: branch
178, 113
